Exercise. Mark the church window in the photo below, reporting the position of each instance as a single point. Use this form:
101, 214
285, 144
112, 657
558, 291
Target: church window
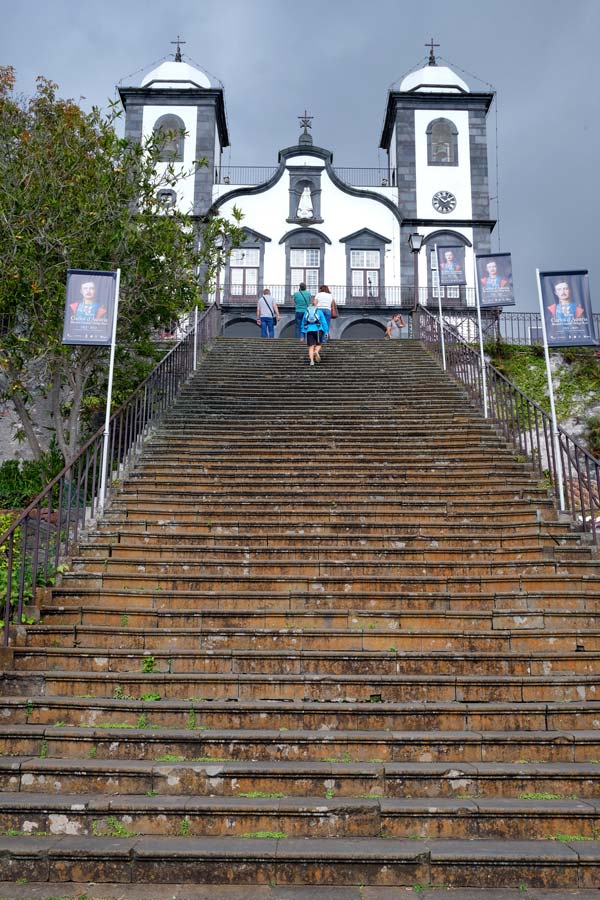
365, 266
452, 292
171, 129
304, 266
243, 272
442, 143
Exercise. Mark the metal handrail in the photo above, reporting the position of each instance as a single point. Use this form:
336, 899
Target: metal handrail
524, 423
525, 328
48, 528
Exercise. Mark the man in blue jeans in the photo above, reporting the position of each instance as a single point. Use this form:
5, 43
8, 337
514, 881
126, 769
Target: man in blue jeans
301, 303
267, 314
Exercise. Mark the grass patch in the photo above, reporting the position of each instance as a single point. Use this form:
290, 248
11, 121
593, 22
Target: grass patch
272, 835
255, 795
569, 838
111, 828
542, 795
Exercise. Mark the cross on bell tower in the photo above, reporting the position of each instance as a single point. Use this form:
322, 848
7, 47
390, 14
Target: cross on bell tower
178, 51
431, 45
306, 123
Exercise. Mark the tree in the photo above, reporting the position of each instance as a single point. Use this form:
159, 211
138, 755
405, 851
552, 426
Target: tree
73, 194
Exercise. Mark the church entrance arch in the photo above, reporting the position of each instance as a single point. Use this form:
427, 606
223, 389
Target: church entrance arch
242, 327
364, 330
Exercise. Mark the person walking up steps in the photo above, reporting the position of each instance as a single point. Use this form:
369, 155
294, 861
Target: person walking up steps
267, 314
301, 303
315, 327
326, 304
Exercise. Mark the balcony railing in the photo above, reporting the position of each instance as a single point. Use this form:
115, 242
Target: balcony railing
526, 327
343, 294
46, 531
524, 423
238, 176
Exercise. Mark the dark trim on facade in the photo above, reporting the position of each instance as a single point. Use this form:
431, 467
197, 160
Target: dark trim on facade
148, 96
444, 233
252, 234
295, 232
452, 223
367, 233
431, 101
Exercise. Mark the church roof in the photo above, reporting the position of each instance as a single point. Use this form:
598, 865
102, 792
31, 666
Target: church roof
434, 79
172, 74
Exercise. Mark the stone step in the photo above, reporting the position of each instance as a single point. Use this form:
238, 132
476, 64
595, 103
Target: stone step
159, 891
305, 686
351, 861
356, 526
319, 583
377, 521
80, 601
306, 816
83, 658
127, 545
394, 566
105, 736
283, 715
538, 782
307, 551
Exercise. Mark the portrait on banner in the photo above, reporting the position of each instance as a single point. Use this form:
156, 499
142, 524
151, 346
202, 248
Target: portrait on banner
451, 264
89, 307
495, 279
567, 308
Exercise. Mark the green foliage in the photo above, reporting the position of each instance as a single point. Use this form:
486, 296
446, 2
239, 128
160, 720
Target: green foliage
592, 435
73, 194
148, 664
576, 381
5, 523
22, 480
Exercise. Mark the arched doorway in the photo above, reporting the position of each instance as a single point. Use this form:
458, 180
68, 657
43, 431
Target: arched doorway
241, 328
364, 330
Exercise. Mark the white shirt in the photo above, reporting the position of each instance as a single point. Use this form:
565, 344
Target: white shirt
324, 300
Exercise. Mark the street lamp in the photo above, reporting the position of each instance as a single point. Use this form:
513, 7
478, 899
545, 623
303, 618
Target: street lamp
415, 242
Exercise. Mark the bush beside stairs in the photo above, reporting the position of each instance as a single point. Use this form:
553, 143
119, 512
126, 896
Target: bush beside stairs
330, 632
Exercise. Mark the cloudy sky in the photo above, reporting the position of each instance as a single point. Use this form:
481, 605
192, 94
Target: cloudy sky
338, 59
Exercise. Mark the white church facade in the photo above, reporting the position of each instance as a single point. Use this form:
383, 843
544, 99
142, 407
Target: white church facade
304, 220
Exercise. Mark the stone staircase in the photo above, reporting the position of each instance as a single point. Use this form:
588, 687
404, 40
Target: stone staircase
331, 632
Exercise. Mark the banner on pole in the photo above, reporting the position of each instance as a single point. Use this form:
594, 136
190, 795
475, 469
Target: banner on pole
89, 307
495, 279
451, 264
567, 308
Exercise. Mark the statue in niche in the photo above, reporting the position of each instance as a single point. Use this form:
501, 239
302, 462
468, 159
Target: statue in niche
305, 207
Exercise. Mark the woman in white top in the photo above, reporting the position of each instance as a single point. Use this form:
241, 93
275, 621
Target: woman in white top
325, 301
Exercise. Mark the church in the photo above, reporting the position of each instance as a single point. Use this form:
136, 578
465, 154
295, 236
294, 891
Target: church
370, 234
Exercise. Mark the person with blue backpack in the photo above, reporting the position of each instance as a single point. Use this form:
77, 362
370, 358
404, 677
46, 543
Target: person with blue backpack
301, 303
316, 329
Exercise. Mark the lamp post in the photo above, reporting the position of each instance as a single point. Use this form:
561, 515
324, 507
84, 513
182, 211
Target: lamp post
415, 242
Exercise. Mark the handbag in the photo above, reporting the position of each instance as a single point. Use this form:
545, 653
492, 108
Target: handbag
334, 310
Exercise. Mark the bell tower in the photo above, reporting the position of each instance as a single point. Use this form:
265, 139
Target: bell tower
435, 136
184, 101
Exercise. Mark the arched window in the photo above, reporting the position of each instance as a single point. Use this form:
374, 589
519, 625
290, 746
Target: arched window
172, 129
442, 143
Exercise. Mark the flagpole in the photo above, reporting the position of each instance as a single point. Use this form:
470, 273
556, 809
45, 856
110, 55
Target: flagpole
441, 320
111, 369
482, 355
555, 435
